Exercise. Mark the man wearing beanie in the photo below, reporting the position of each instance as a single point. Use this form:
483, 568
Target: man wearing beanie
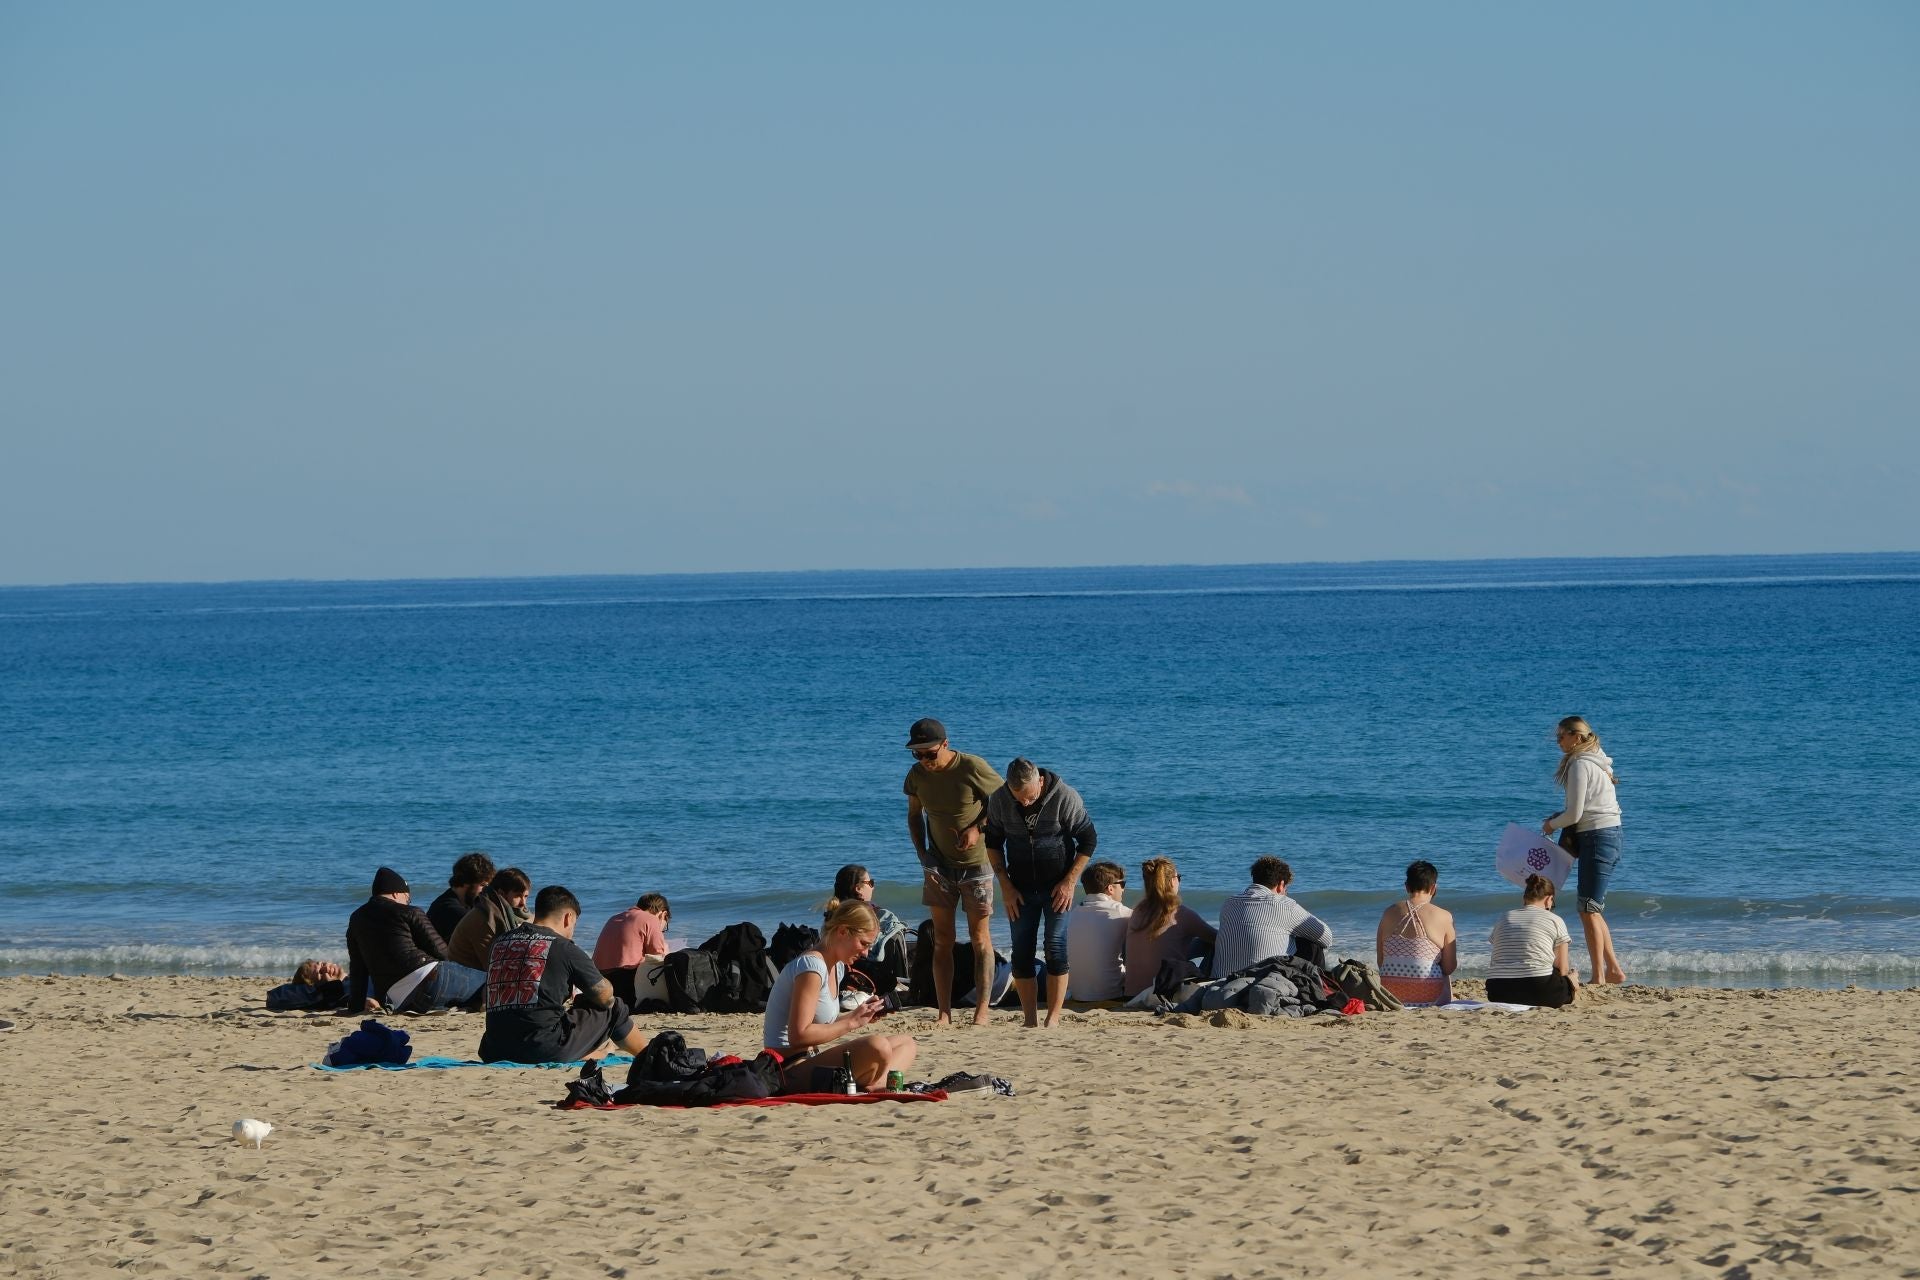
397, 958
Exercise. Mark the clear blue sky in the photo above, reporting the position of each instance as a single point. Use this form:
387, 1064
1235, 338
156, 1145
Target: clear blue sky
475, 289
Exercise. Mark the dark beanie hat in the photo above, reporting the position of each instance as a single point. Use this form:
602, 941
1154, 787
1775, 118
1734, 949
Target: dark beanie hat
387, 880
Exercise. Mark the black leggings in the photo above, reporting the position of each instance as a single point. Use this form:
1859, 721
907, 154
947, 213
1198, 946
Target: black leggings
1548, 991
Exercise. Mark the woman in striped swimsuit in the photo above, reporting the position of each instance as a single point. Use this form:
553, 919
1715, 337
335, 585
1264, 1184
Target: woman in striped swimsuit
1415, 942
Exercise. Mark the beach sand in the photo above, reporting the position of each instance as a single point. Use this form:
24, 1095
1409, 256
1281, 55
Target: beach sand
1646, 1131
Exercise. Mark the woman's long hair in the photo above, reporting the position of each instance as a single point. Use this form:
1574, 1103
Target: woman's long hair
1584, 740
1162, 901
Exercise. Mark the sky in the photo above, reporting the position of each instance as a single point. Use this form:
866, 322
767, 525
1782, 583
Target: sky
471, 290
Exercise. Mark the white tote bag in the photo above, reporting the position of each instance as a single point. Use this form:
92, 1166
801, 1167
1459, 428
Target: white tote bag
1524, 853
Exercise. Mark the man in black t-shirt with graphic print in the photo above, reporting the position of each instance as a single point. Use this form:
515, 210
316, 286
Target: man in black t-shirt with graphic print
530, 974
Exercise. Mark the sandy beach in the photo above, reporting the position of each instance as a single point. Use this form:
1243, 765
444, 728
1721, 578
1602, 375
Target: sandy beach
1646, 1131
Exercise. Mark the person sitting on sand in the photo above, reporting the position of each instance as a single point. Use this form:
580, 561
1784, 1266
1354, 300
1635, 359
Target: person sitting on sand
1530, 944
1097, 936
630, 939
804, 1014
854, 881
501, 909
396, 957
1261, 921
471, 875
531, 972
1160, 928
1414, 943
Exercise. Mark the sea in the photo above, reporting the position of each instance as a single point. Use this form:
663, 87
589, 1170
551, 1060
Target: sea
202, 778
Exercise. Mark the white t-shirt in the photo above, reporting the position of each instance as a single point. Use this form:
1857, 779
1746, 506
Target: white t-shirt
1096, 949
826, 1005
1524, 940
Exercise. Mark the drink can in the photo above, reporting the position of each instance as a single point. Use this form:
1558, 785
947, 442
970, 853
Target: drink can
896, 1081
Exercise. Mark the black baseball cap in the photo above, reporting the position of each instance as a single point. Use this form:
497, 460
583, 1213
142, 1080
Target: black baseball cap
926, 733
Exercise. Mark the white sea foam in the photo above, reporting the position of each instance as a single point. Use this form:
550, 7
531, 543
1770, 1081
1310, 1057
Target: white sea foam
154, 958
1765, 967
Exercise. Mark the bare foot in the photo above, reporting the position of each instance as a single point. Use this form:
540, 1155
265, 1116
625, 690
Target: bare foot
1031, 1021
943, 1019
1053, 1020
981, 1017
1616, 975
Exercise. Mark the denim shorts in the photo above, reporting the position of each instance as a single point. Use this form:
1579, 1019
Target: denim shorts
1598, 853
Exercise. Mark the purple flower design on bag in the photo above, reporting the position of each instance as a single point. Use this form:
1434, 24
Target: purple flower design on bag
1538, 859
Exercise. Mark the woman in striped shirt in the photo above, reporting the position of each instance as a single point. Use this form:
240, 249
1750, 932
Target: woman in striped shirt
1530, 944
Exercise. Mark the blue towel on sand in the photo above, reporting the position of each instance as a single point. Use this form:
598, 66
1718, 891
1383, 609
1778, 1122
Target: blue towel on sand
448, 1064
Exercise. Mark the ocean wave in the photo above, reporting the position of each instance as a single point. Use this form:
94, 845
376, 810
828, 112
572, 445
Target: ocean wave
1625, 904
1657, 964
1776, 968
157, 958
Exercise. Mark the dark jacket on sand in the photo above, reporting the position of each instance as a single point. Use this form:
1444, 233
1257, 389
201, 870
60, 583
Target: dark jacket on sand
386, 941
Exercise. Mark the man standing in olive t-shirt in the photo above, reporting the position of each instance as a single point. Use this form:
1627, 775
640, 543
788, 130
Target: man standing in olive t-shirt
947, 793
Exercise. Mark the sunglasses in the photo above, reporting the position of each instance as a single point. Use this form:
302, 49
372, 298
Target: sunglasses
927, 755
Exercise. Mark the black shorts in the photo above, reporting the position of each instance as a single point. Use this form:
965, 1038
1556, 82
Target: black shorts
582, 1030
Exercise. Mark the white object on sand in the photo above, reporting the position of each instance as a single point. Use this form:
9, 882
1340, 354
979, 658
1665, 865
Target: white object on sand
254, 1131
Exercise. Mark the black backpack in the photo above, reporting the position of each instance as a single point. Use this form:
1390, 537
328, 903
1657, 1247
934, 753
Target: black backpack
790, 940
692, 976
892, 967
920, 976
744, 977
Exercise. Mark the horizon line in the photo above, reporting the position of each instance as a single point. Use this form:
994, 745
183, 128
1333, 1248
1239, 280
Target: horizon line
1071, 568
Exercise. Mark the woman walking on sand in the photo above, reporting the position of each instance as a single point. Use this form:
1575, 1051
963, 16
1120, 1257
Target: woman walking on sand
1590, 831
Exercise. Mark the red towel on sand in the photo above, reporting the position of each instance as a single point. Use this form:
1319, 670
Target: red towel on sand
803, 1099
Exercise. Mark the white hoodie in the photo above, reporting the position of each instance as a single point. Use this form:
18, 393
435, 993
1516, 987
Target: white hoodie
1591, 802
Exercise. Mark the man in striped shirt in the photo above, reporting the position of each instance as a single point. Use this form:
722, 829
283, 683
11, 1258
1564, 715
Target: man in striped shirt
1262, 921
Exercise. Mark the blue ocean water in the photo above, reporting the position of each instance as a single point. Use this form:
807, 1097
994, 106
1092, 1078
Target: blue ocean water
202, 778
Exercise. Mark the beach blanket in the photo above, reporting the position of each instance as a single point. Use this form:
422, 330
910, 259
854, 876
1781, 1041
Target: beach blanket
449, 1064
801, 1099
1470, 1006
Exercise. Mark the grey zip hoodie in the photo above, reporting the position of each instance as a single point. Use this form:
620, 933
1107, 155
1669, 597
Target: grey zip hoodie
1041, 843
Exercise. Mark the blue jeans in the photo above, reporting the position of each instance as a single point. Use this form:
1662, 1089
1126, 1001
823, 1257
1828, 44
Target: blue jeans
1599, 854
449, 984
1034, 906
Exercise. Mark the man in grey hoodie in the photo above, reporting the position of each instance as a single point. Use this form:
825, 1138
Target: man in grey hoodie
1039, 838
